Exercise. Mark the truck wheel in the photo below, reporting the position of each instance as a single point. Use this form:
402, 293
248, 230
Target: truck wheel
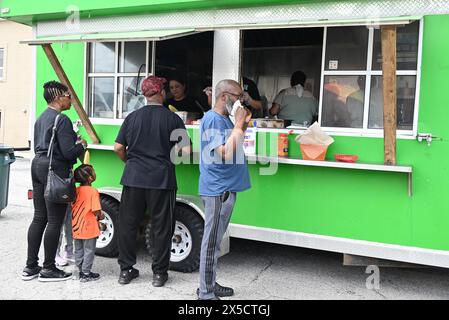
186, 241
107, 241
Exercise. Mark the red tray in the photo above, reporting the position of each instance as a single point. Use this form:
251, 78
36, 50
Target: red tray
346, 157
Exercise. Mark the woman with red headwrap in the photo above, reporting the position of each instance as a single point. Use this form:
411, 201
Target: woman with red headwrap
145, 143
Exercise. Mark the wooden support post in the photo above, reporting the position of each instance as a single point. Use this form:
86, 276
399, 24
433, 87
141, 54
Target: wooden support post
389, 92
76, 101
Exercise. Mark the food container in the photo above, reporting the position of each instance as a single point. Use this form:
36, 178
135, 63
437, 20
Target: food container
314, 143
269, 123
313, 151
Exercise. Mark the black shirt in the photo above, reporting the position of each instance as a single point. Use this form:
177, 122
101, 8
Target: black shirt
188, 104
65, 148
146, 132
251, 87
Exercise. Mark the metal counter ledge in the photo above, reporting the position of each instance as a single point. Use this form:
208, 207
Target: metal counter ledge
252, 159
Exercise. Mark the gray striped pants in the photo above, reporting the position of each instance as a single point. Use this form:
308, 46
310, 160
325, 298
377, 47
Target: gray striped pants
218, 212
85, 254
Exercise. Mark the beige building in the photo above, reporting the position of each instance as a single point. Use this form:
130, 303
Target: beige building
15, 84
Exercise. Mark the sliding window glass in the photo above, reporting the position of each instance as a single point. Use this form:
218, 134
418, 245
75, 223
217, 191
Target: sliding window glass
352, 93
346, 48
343, 101
405, 103
116, 70
407, 44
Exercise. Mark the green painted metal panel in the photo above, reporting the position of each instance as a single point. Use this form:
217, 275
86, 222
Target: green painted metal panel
430, 212
71, 56
28, 11
355, 204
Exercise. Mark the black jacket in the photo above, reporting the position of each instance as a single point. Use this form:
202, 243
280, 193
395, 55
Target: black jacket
66, 149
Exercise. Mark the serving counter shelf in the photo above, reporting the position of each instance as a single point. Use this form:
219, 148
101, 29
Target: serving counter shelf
336, 164
252, 159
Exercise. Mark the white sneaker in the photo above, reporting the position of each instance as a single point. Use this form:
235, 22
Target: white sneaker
60, 261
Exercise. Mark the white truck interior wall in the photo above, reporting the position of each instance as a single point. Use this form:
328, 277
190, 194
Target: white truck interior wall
226, 63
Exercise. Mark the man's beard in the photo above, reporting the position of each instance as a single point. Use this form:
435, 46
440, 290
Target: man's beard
229, 104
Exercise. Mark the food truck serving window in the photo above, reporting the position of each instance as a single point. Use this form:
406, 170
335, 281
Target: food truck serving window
343, 65
352, 93
343, 70
115, 72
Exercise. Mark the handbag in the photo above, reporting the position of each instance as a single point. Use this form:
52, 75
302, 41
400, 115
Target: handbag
58, 190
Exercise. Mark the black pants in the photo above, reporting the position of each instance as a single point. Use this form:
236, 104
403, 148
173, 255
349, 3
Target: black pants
48, 216
134, 203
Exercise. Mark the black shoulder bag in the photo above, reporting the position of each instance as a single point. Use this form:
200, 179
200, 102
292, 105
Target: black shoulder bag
58, 190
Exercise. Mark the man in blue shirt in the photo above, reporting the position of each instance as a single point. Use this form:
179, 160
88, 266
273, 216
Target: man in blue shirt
223, 173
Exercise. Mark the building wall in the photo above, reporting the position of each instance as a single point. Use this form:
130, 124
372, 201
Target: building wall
16, 87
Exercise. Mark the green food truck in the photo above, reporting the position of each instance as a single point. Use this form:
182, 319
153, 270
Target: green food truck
379, 71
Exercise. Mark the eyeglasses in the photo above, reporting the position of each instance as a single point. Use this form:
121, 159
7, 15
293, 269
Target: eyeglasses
238, 96
68, 95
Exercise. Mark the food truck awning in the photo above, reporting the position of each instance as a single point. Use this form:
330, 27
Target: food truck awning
152, 35
369, 22
165, 34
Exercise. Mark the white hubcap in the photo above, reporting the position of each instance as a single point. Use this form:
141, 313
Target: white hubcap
181, 243
107, 235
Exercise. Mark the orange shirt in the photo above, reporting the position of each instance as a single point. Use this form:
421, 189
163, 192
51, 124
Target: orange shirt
84, 222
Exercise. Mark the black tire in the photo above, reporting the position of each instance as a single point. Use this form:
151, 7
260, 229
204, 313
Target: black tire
195, 225
110, 208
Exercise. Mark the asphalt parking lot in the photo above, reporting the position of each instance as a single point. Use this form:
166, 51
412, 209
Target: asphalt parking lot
257, 271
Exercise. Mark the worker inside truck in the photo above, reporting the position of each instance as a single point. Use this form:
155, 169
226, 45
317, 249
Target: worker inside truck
187, 63
296, 103
271, 57
180, 101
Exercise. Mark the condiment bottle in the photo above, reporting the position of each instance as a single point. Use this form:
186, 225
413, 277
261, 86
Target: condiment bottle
283, 145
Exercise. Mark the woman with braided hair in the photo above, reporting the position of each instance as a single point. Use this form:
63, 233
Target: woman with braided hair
49, 216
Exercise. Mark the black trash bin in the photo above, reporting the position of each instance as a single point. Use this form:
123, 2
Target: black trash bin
6, 158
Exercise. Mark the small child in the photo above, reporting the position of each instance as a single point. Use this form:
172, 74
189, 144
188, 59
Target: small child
86, 212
